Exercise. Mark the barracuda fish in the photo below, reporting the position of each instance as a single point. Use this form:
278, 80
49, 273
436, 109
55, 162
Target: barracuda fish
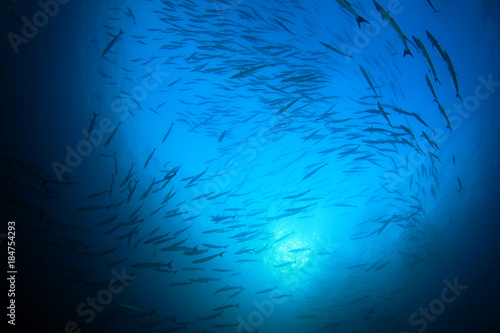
131, 190
176, 284
227, 288
159, 322
429, 84
113, 41
215, 196
283, 26
420, 119
112, 134
443, 112
288, 263
284, 237
153, 265
298, 78
222, 270
447, 60
314, 171
221, 137
195, 178
452, 73
436, 45
146, 193
129, 175
266, 290
348, 7
248, 260
296, 195
17, 18
194, 251
432, 6
161, 241
220, 218
108, 220
427, 57
149, 158
236, 293
168, 132
286, 107
249, 71
129, 13
376, 129
152, 312
91, 126
383, 265
215, 246
384, 114
114, 263
202, 260
385, 14
367, 78
226, 307
431, 142
129, 235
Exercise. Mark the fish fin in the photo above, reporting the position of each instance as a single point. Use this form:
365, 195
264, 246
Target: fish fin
360, 19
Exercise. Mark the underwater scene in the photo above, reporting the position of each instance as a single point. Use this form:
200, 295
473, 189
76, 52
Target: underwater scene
261, 166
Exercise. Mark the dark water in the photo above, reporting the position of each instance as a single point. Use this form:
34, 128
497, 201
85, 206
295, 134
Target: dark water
239, 166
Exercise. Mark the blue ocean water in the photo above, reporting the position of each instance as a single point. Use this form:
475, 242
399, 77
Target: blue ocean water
251, 166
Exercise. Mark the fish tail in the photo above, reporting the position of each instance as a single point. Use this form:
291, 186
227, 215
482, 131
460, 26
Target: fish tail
448, 126
460, 97
360, 19
407, 51
437, 80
